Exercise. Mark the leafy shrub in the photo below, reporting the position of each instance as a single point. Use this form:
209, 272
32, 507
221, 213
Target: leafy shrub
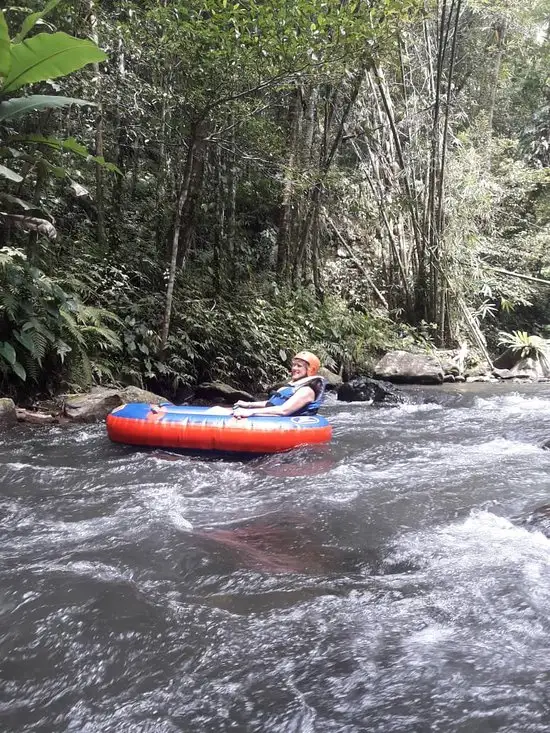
525, 345
45, 329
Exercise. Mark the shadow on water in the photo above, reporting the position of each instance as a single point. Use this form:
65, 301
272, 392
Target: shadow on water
306, 461
283, 543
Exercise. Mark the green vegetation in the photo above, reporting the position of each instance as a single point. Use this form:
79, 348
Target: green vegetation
525, 346
191, 190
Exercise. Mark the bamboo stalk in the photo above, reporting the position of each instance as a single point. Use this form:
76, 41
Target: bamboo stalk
356, 260
518, 274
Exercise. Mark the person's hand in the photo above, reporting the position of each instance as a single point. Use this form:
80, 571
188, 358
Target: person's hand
241, 403
241, 412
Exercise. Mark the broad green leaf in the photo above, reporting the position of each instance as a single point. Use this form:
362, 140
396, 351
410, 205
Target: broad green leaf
25, 340
70, 144
54, 142
31, 20
47, 56
11, 175
24, 205
8, 352
19, 370
5, 54
20, 106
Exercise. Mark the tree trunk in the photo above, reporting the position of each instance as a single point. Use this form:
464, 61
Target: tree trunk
287, 204
160, 227
500, 33
231, 208
99, 147
182, 199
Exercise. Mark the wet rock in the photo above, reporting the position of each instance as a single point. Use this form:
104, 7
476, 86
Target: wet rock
451, 361
35, 418
219, 392
404, 367
503, 374
8, 415
479, 370
365, 389
506, 360
100, 401
531, 369
135, 394
334, 381
510, 365
538, 520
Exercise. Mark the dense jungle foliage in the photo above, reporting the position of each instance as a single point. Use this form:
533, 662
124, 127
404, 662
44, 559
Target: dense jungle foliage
193, 189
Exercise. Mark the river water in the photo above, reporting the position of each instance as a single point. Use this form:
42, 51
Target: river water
386, 583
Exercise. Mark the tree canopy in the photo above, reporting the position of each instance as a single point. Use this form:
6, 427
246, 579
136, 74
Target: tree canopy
193, 189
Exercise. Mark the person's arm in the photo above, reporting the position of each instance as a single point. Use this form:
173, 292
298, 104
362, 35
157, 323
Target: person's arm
299, 399
248, 405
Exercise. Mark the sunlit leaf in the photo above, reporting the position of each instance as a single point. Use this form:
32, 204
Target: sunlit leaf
48, 56
11, 175
8, 352
70, 144
31, 20
32, 224
13, 108
19, 370
5, 53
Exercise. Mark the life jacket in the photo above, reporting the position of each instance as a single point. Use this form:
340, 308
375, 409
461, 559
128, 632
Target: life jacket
317, 384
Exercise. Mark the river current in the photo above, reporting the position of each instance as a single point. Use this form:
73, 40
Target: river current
387, 583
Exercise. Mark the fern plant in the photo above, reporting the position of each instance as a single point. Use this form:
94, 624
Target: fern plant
42, 323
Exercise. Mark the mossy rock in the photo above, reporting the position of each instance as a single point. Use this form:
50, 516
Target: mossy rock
8, 415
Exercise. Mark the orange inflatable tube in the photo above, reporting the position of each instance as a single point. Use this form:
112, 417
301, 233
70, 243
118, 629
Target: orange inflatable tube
213, 429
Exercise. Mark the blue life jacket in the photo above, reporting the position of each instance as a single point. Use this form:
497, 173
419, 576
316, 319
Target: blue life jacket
317, 384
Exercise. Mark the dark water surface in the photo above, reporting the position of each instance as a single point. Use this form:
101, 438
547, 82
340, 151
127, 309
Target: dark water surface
383, 584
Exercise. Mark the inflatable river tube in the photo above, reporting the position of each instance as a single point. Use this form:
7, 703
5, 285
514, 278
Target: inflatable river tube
213, 429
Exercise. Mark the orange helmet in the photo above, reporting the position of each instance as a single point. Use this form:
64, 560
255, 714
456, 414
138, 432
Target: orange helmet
313, 363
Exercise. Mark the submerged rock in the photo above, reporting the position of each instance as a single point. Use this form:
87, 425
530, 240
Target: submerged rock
538, 519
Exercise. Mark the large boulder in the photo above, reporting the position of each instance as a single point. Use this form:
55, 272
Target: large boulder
365, 389
8, 415
334, 381
98, 403
404, 367
531, 369
215, 392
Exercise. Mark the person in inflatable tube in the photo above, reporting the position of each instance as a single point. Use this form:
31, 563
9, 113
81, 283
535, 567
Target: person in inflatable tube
302, 395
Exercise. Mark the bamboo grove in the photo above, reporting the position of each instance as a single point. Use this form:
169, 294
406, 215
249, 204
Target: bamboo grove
228, 180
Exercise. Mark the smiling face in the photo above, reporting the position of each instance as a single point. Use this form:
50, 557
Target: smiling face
298, 369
